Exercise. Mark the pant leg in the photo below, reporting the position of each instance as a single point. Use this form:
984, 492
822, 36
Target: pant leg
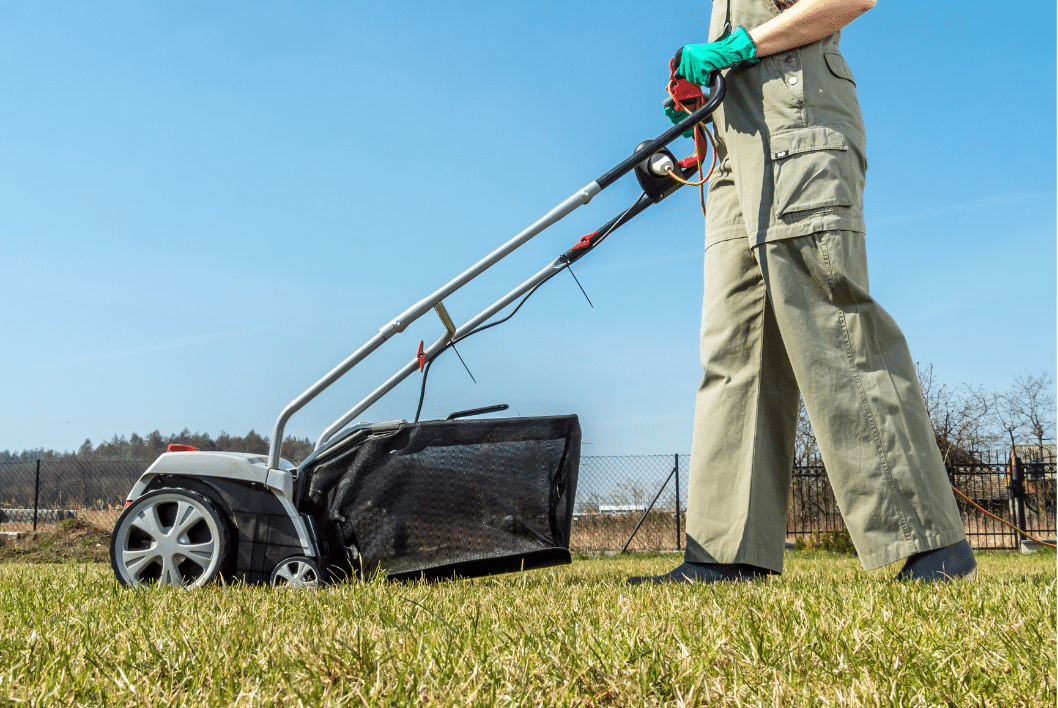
745, 419
861, 391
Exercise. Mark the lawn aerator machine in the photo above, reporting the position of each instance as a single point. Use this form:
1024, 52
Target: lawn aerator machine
458, 497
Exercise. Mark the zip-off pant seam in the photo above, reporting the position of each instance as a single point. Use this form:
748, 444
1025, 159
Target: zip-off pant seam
875, 434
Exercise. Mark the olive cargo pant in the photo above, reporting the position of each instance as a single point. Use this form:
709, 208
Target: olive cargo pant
792, 316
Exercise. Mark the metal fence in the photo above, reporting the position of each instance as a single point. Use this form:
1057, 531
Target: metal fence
623, 503
1017, 491
631, 502
47, 491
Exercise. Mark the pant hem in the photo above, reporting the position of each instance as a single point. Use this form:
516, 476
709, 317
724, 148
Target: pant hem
696, 553
901, 550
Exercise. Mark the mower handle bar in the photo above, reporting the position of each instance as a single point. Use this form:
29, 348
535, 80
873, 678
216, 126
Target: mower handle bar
481, 318
579, 198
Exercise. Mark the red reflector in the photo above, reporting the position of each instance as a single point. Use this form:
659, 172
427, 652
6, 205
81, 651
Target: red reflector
175, 447
128, 503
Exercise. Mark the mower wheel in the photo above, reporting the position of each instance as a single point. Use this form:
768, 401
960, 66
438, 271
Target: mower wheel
169, 536
297, 572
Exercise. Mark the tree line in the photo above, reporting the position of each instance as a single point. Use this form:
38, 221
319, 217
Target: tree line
148, 447
968, 421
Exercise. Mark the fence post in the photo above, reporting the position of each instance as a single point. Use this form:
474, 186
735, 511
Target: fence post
678, 539
36, 494
644, 516
1017, 489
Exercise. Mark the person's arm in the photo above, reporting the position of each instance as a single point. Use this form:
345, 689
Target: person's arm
804, 23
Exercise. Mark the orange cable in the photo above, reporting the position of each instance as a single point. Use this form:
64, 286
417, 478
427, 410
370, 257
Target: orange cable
1002, 521
700, 149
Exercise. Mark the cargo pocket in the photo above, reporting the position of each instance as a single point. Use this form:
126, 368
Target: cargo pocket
838, 66
811, 170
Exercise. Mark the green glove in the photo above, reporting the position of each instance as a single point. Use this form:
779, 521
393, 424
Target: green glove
699, 61
676, 116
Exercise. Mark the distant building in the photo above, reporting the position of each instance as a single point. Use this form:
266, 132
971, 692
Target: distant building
620, 508
1029, 453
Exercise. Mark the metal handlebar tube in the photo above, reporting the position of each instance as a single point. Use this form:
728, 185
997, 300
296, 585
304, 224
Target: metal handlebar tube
436, 348
580, 198
716, 94
570, 256
402, 321
577, 252
406, 371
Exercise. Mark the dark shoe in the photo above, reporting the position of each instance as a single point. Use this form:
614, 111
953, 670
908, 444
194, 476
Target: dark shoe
704, 573
943, 564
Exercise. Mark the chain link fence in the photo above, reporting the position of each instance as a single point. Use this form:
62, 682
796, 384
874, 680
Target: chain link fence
48, 491
629, 503
635, 503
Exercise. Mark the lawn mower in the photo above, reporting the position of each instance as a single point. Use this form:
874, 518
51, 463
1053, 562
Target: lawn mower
460, 497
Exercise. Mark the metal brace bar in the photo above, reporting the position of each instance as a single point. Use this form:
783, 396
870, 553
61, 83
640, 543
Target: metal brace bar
445, 319
644, 516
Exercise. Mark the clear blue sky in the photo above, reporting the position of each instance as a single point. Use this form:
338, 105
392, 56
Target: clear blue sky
206, 206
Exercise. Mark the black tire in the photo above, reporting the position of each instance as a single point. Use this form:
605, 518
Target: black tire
169, 536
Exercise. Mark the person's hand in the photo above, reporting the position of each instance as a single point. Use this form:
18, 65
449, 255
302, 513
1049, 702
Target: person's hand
699, 61
676, 116
683, 97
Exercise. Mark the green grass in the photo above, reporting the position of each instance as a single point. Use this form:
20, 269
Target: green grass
824, 633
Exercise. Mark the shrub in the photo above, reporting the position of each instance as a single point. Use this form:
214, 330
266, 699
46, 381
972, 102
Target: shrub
839, 541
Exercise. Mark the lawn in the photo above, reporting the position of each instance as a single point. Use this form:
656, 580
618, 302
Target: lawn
824, 633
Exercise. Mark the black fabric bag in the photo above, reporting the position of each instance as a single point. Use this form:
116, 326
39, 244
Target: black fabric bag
459, 498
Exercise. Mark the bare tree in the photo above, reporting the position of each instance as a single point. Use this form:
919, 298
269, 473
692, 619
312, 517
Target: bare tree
806, 447
1027, 410
963, 416
970, 422
629, 493
934, 393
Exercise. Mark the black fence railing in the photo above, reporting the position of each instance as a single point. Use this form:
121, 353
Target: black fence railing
1019, 492
623, 503
813, 509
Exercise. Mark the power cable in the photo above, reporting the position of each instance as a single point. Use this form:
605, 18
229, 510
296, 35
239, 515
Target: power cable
600, 237
1002, 521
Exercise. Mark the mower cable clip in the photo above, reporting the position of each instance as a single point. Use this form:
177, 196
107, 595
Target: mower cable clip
584, 242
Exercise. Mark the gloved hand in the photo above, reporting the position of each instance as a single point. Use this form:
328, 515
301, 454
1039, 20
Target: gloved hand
682, 95
699, 61
676, 116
